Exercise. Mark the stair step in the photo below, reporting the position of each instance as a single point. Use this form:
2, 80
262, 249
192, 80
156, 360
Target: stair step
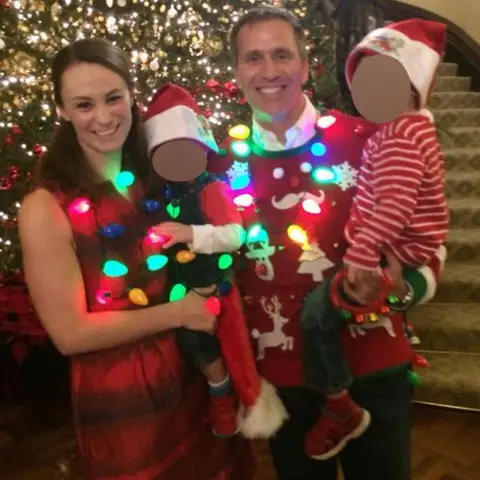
458, 137
452, 380
447, 327
447, 69
459, 283
463, 245
462, 184
465, 159
452, 84
454, 100
457, 117
464, 212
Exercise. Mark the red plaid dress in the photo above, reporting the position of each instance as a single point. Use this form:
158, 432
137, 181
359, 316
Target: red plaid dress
139, 410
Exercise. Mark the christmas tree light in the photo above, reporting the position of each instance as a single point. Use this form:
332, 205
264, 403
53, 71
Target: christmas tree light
184, 42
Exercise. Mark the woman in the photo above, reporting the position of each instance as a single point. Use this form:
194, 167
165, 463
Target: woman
91, 267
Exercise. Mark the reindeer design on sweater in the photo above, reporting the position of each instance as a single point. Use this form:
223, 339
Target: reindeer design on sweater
276, 337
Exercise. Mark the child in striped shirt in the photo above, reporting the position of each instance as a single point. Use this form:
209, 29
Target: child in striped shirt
400, 206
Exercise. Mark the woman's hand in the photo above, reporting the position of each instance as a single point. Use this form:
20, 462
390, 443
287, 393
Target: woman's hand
174, 233
194, 314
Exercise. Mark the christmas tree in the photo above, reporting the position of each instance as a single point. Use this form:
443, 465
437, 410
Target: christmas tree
169, 41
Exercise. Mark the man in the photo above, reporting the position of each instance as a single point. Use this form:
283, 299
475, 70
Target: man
294, 177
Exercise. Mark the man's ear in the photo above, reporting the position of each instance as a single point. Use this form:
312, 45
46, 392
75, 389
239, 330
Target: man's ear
305, 71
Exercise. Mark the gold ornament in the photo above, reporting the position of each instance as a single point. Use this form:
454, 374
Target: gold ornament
168, 40
213, 46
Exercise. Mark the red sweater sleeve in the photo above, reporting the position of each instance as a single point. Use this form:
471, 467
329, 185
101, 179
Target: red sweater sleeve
396, 171
217, 205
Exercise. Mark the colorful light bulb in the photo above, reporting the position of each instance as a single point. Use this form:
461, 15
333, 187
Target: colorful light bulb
323, 175
311, 206
156, 262
240, 148
326, 121
80, 205
244, 200
225, 261
151, 205
112, 230
113, 268
157, 239
173, 210
240, 182
177, 292
103, 297
257, 233
239, 132
318, 149
124, 180
138, 297
185, 256
297, 234
213, 305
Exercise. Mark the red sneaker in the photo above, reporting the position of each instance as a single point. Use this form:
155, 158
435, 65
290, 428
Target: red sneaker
331, 434
223, 415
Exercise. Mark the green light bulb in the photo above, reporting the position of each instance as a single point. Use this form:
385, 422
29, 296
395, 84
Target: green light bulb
124, 180
177, 292
225, 261
156, 262
173, 210
323, 175
112, 268
239, 148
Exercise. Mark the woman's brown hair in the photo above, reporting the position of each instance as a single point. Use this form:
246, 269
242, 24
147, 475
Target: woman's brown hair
64, 165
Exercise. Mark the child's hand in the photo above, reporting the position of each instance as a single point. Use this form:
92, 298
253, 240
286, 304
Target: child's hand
175, 233
363, 285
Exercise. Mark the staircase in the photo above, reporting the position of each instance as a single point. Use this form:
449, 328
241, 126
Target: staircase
449, 326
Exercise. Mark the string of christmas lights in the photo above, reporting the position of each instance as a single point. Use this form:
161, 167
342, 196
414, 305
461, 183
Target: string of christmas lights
185, 42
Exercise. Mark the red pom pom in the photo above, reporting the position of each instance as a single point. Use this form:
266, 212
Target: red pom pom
213, 305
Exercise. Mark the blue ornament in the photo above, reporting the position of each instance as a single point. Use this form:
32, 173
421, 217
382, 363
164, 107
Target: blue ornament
112, 230
224, 288
151, 205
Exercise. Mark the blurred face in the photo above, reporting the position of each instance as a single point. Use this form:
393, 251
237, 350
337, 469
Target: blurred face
269, 69
97, 102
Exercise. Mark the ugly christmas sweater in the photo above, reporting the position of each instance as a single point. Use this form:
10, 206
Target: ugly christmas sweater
295, 204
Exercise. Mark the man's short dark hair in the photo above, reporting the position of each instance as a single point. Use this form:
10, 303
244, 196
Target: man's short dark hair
264, 13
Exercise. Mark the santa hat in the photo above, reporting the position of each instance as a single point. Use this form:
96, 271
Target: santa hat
173, 114
262, 412
417, 44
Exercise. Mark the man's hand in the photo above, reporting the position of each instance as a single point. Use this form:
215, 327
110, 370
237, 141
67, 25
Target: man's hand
363, 285
174, 232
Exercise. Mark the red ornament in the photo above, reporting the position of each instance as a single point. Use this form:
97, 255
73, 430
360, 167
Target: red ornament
242, 101
9, 140
207, 113
420, 361
213, 306
16, 130
231, 89
38, 149
319, 69
212, 84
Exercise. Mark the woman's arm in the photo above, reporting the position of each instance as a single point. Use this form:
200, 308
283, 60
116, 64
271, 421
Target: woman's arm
56, 286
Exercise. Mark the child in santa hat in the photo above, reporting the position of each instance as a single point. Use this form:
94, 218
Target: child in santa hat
207, 225
400, 209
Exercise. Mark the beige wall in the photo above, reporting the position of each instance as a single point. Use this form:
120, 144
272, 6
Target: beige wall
463, 13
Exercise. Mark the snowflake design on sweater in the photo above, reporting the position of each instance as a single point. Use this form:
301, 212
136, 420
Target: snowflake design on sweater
238, 169
347, 176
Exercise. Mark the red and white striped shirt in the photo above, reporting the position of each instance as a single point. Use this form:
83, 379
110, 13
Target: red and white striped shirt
400, 201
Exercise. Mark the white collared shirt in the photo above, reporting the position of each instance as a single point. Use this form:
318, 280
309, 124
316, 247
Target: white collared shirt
296, 136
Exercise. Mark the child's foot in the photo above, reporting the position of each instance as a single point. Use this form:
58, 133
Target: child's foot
223, 408
223, 414
342, 421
